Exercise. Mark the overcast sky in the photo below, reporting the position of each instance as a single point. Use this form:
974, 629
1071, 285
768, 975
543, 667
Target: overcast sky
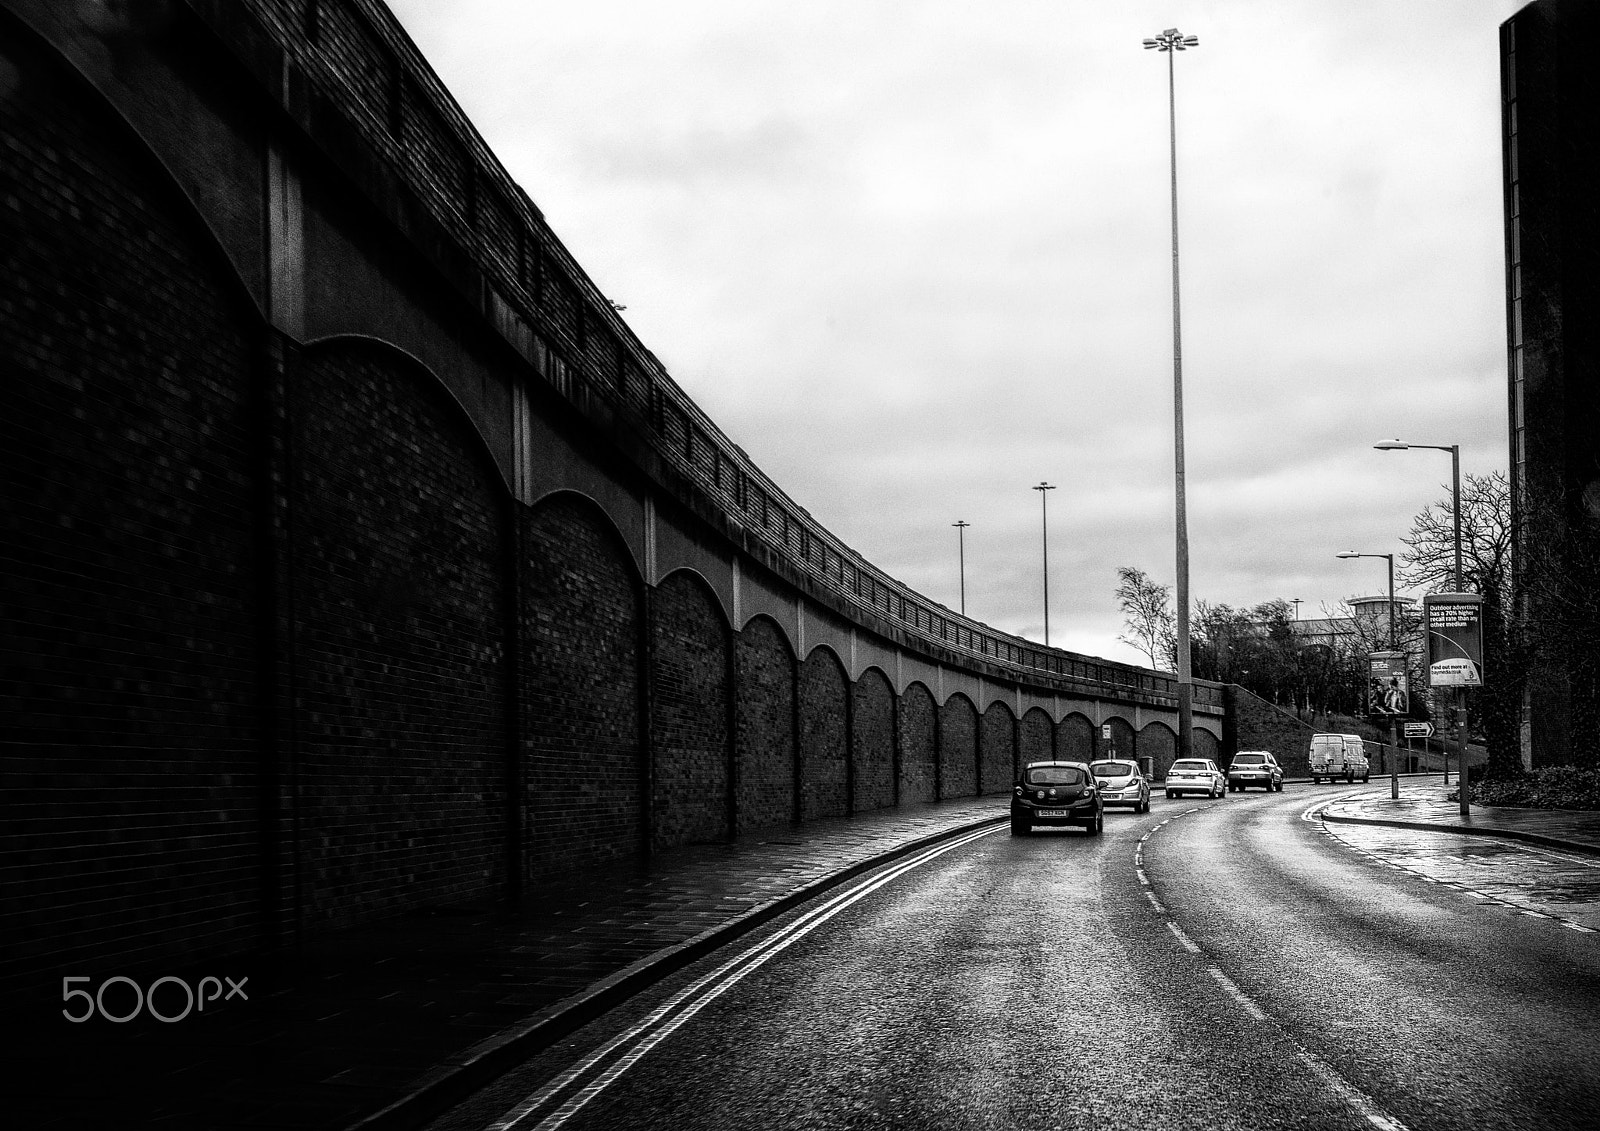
915, 257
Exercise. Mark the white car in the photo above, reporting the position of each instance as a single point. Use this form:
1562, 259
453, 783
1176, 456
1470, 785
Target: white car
1196, 775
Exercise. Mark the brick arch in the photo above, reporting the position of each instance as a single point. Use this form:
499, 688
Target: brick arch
401, 519
1159, 743
958, 747
824, 736
1206, 745
1037, 737
872, 732
581, 690
128, 352
690, 743
997, 748
1076, 740
1124, 742
764, 724
919, 745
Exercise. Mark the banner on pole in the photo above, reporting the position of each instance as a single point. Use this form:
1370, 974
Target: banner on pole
1455, 639
1388, 685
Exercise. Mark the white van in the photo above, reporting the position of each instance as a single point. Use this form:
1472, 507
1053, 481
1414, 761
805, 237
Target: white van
1335, 756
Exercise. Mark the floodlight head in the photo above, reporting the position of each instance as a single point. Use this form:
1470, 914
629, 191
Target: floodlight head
1172, 40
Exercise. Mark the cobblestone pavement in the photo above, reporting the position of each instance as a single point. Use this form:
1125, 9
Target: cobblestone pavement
1539, 863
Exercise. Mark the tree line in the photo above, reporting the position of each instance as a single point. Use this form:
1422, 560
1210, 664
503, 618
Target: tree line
1545, 611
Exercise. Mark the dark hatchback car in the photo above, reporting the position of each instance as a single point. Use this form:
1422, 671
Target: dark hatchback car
1056, 793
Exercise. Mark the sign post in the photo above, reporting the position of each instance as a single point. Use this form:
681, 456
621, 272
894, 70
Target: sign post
1455, 659
1423, 731
1389, 700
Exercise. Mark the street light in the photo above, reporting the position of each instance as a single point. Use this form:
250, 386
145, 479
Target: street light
1044, 516
1172, 41
1394, 723
961, 549
1461, 692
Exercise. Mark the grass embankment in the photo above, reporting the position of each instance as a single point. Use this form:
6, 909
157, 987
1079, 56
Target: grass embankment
1553, 787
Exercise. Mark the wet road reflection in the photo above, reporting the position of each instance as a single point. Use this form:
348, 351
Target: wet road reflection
1544, 881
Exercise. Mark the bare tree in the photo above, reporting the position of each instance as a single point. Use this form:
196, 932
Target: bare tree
1487, 539
1147, 609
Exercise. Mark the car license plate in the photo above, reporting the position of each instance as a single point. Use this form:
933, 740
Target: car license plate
1054, 813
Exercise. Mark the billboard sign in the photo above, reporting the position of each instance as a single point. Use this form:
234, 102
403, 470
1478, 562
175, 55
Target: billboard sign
1455, 639
1388, 686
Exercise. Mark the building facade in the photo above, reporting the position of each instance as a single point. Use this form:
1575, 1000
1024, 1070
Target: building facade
1550, 124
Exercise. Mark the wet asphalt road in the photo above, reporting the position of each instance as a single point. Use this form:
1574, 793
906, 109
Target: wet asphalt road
1212, 964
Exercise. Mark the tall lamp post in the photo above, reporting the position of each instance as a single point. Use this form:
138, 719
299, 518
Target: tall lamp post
1394, 723
1172, 41
961, 552
1460, 696
1044, 517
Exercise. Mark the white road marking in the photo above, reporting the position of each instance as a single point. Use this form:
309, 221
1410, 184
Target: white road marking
1236, 993
1351, 1095
670, 1015
1177, 932
1326, 1074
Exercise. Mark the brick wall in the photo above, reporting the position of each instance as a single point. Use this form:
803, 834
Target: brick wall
958, 747
398, 645
128, 599
1123, 743
1036, 732
764, 676
230, 563
872, 720
584, 772
919, 749
1159, 743
998, 745
1075, 739
689, 713
822, 736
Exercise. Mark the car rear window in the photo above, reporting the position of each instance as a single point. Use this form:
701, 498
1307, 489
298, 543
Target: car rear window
1112, 769
1249, 759
1055, 775
1190, 766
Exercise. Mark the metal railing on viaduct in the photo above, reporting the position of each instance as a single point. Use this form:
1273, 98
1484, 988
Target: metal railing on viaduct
359, 558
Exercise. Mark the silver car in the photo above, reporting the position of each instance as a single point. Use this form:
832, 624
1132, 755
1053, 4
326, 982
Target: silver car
1196, 775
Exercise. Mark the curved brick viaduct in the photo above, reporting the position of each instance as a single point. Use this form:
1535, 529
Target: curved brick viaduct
357, 556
